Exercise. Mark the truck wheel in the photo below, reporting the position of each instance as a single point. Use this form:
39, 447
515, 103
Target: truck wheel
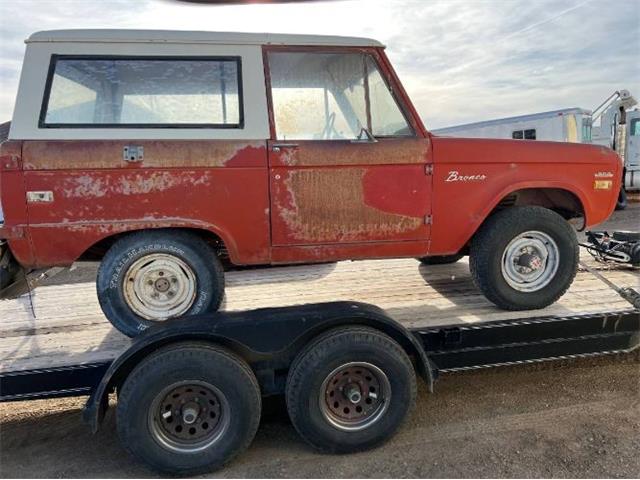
147, 277
524, 258
350, 390
188, 408
440, 259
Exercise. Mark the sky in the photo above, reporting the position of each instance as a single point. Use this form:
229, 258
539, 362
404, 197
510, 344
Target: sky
460, 61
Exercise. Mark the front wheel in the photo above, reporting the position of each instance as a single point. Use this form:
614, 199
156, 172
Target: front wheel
524, 258
150, 276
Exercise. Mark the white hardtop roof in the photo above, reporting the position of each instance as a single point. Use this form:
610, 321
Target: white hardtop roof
520, 118
184, 36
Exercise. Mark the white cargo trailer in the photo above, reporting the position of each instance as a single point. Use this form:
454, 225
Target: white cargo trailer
567, 125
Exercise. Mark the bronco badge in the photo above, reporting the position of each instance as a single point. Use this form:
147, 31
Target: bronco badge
454, 176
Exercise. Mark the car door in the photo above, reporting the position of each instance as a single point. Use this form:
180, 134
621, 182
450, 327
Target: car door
347, 166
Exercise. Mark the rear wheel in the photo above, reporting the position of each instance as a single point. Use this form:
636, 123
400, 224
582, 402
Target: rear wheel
150, 276
350, 390
524, 258
188, 408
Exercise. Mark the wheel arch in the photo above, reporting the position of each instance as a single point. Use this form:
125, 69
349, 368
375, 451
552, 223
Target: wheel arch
212, 236
563, 201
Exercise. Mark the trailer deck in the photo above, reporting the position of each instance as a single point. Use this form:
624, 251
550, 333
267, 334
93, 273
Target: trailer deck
70, 329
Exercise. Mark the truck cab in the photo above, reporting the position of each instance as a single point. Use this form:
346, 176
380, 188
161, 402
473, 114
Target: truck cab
168, 156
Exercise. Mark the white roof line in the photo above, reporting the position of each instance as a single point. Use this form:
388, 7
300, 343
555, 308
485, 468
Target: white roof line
195, 37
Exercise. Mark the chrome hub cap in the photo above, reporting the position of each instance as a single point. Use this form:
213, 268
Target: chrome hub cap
159, 286
189, 416
354, 396
530, 261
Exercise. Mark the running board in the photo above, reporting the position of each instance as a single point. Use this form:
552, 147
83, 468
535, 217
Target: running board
510, 342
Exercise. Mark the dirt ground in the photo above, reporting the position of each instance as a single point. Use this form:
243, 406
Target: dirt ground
580, 418
576, 418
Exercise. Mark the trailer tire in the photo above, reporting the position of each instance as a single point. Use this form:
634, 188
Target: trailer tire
440, 259
223, 389
130, 277
362, 360
524, 258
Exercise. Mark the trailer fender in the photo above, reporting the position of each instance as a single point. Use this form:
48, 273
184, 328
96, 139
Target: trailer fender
269, 336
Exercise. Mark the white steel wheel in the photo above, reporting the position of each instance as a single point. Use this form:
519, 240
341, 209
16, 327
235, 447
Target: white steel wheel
159, 286
530, 261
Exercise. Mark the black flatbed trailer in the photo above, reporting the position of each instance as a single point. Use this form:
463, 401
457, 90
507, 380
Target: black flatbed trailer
293, 350
448, 348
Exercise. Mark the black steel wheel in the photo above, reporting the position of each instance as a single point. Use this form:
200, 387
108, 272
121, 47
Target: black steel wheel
350, 389
188, 408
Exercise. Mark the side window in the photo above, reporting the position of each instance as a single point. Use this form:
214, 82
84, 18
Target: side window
331, 96
530, 134
138, 92
517, 135
635, 127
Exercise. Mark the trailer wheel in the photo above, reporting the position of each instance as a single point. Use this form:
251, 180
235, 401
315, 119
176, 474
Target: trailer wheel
440, 259
524, 258
150, 276
188, 408
350, 389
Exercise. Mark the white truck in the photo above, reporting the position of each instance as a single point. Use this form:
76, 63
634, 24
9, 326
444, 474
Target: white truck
615, 123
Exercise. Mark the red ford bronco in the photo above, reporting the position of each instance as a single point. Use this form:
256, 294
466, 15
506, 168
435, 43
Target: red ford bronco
167, 155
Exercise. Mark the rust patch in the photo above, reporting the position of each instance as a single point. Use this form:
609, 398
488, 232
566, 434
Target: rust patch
98, 154
388, 151
101, 185
327, 206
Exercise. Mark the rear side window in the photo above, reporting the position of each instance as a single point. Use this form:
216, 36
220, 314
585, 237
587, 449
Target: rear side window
143, 92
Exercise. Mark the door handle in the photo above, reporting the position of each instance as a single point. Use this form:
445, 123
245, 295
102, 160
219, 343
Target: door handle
276, 147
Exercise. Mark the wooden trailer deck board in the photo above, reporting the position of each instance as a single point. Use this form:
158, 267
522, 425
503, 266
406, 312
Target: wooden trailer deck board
69, 327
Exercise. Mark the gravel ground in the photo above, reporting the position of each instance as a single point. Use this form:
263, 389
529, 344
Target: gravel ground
576, 418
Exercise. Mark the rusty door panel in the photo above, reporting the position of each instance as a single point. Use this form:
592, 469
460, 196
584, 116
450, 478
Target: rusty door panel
89, 154
348, 204
390, 151
219, 186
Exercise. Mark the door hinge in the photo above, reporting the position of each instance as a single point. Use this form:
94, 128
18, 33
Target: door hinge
428, 219
428, 169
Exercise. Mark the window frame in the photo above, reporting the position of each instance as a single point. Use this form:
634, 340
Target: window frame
220, 58
380, 65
